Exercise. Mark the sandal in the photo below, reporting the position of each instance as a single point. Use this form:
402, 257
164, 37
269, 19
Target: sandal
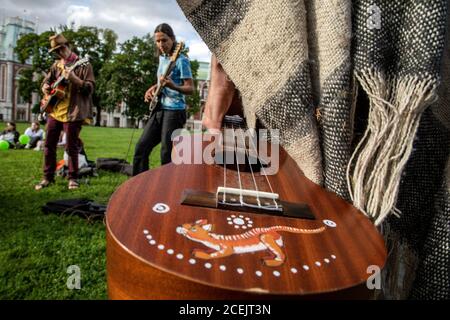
73, 184
43, 184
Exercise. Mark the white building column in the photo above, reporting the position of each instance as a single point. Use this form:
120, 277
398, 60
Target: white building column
123, 122
9, 82
9, 91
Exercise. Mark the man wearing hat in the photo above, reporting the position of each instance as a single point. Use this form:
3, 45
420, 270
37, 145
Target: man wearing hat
74, 110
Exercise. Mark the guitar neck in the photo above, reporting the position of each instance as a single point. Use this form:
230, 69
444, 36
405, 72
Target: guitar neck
165, 75
69, 69
58, 81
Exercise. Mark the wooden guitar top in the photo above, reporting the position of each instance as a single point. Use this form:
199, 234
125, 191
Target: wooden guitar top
146, 219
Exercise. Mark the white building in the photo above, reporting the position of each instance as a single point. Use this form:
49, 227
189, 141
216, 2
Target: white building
117, 118
203, 77
12, 106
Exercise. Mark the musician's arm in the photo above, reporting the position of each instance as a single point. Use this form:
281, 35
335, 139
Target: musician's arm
186, 88
84, 79
49, 78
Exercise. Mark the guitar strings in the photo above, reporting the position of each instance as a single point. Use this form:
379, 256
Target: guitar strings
247, 153
264, 173
241, 199
235, 149
225, 168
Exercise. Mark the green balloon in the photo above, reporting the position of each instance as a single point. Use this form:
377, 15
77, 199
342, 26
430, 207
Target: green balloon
4, 145
24, 139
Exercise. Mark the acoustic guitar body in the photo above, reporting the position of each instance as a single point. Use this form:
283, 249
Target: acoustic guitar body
59, 88
159, 247
49, 102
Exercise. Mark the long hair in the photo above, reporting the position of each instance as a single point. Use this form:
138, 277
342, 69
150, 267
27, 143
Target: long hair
167, 30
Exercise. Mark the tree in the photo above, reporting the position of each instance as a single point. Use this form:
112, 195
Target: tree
128, 75
99, 44
27, 86
122, 76
193, 101
34, 47
131, 72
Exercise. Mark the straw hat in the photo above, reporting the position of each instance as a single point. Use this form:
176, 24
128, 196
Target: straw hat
57, 41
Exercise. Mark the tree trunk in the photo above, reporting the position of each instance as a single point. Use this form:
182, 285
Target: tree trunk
98, 117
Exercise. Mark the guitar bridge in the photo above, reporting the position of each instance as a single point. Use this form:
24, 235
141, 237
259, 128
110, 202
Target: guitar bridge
248, 198
246, 201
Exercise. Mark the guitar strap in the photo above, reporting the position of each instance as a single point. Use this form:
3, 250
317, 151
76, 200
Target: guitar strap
73, 58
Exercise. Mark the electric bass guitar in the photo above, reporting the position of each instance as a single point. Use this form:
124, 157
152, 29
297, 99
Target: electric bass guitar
58, 88
173, 58
223, 227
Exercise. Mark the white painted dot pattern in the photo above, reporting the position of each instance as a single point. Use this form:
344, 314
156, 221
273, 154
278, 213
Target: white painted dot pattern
223, 267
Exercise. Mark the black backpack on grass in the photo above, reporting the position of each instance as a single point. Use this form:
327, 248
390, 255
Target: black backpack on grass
84, 208
89, 171
114, 165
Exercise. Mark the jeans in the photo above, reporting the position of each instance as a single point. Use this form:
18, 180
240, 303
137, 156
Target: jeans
159, 128
72, 130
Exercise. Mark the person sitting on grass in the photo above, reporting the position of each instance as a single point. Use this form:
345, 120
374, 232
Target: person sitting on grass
35, 133
10, 135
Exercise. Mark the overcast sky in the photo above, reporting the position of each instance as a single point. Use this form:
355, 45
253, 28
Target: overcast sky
127, 18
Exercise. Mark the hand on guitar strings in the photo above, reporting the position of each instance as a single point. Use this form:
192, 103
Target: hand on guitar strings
71, 76
167, 82
150, 93
46, 88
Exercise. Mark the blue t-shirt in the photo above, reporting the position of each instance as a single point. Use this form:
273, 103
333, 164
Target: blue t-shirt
172, 99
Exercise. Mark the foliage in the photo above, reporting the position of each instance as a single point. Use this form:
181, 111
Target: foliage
99, 44
35, 48
26, 84
128, 75
121, 76
193, 101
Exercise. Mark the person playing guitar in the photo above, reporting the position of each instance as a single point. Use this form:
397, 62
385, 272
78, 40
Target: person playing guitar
70, 112
170, 114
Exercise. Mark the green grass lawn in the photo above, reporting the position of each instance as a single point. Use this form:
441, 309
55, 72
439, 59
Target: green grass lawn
37, 249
